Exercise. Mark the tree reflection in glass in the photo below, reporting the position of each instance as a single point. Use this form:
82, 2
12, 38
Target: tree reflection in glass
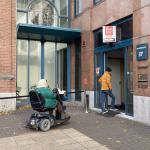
43, 13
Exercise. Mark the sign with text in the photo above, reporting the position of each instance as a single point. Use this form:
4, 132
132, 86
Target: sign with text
142, 52
109, 34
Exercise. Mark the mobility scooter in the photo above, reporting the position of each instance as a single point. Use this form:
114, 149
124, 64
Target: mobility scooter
44, 118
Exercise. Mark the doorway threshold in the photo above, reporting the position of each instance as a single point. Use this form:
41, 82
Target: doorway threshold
96, 110
121, 115
124, 116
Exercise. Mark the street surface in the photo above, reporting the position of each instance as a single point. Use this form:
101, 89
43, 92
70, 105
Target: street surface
90, 131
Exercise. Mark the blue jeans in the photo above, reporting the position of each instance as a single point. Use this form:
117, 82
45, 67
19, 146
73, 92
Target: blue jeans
104, 94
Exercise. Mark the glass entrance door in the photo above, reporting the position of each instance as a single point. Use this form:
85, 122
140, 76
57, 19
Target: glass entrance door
101, 61
129, 80
99, 65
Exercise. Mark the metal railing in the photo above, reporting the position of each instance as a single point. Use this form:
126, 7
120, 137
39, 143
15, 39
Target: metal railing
86, 98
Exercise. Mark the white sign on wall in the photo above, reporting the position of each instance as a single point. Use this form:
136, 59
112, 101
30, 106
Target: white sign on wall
109, 34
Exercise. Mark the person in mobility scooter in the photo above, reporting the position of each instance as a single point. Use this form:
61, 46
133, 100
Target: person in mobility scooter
49, 107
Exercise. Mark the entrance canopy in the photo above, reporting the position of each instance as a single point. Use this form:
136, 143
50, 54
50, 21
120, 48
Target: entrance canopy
47, 33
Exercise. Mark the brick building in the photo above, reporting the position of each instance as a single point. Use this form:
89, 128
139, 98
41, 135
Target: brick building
61, 40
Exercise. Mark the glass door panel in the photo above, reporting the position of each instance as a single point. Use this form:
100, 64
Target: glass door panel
62, 66
22, 67
35, 63
50, 63
99, 64
78, 85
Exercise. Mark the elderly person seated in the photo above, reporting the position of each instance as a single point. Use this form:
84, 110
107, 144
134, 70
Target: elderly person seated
48, 95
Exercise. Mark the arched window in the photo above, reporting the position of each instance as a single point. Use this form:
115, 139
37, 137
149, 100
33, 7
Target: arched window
42, 12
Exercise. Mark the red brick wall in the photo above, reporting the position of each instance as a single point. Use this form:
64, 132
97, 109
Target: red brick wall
7, 45
83, 21
141, 24
94, 17
91, 18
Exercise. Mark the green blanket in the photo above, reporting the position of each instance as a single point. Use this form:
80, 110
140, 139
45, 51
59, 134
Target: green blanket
49, 97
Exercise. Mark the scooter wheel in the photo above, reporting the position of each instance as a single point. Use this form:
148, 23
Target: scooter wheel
45, 125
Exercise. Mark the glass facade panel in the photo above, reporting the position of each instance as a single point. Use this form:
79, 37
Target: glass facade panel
49, 63
22, 67
62, 7
21, 17
29, 70
64, 22
22, 4
35, 63
78, 7
62, 66
43, 12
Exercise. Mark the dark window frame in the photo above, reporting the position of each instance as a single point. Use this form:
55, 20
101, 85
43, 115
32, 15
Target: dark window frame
128, 19
97, 2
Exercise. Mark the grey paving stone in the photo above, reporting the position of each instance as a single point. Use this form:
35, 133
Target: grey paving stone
115, 133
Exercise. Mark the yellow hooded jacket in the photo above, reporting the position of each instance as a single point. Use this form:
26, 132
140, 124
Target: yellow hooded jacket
105, 81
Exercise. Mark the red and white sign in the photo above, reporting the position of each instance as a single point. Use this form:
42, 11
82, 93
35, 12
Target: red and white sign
109, 34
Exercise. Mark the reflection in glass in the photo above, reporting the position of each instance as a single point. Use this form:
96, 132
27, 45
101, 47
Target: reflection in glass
22, 66
129, 78
49, 63
98, 63
42, 12
35, 63
22, 4
78, 7
62, 7
21, 17
62, 66
64, 22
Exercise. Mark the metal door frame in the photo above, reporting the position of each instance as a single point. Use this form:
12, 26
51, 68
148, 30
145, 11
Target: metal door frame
103, 49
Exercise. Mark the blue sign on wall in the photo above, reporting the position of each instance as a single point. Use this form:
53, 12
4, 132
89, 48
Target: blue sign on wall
142, 52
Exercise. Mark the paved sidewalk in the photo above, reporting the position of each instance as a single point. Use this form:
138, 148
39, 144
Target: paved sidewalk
84, 131
56, 139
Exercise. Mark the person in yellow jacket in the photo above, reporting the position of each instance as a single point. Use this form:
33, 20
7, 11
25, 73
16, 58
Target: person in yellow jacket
106, 89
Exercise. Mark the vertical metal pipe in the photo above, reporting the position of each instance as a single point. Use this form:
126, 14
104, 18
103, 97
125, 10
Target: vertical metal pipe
42, 59
68, 71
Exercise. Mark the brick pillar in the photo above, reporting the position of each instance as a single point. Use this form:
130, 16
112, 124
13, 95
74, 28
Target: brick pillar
141, 35
7, 53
